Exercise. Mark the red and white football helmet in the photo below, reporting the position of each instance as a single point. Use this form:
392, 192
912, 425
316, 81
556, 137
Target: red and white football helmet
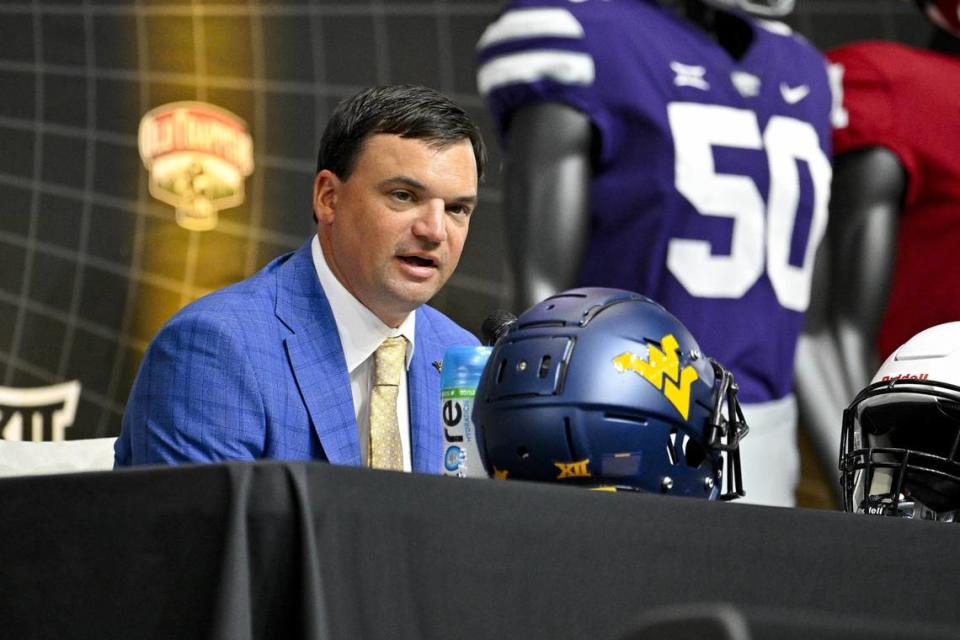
943, 13
900, 445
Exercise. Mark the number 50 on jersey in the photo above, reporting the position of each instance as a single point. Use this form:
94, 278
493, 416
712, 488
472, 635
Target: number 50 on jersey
761, 232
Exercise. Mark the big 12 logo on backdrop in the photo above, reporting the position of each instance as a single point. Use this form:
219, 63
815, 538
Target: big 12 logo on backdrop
38, 414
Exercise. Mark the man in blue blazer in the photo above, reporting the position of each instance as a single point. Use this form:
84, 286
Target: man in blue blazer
280, 365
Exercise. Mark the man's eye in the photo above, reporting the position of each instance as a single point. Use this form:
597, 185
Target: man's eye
459, 209
402, 196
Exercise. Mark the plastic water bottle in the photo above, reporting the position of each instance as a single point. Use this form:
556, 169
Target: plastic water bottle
459, 378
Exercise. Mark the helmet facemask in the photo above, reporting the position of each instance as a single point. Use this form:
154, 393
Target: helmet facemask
726, 430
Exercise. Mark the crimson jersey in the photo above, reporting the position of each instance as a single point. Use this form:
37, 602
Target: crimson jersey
908, 100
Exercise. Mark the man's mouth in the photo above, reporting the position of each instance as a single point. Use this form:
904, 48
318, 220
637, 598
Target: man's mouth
418, 261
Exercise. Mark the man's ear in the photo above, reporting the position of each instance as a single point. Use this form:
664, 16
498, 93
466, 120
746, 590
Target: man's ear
326, 189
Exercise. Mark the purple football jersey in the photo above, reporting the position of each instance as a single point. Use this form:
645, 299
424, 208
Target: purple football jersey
712, 175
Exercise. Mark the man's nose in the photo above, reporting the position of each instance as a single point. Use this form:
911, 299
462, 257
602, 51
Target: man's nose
431, 223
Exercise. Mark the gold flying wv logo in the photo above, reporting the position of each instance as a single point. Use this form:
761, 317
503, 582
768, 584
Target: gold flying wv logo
662, 370
573, 469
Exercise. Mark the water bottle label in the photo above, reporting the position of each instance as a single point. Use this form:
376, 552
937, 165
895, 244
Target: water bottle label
462, 367
458, 392
461, 453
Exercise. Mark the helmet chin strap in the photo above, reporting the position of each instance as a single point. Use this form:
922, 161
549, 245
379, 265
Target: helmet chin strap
904, 507
885, 499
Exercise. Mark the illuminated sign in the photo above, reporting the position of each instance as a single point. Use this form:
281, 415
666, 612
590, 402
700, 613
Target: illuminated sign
662, 370
198, 156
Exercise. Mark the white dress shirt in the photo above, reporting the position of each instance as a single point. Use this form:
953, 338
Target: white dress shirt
361, 332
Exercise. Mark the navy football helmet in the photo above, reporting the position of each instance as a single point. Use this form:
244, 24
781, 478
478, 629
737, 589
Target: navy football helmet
605, 388
900, 444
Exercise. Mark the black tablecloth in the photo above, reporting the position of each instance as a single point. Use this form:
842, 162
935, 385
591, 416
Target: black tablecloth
274, 550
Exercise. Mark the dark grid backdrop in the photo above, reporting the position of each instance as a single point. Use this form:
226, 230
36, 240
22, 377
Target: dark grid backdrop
91, 265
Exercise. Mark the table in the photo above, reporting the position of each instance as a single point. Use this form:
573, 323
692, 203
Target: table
309, 550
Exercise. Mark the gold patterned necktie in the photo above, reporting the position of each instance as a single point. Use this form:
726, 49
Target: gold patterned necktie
385, 449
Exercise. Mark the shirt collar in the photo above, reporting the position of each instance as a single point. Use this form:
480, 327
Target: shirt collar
361, 332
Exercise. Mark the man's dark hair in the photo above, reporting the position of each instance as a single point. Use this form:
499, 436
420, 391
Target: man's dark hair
409, 111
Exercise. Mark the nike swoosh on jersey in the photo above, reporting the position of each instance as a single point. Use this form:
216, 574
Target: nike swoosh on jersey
793, 95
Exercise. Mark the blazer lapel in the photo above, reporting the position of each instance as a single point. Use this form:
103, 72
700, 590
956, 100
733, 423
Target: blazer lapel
424, 387
316, 357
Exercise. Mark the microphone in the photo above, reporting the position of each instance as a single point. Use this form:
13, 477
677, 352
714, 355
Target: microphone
495, 325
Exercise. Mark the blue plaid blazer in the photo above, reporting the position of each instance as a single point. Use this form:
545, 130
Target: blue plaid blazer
256, 370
